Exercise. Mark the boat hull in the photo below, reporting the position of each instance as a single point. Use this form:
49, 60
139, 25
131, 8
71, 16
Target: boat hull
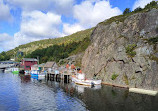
15, 72
86, 82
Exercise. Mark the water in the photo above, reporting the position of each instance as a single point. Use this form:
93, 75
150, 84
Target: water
22, 93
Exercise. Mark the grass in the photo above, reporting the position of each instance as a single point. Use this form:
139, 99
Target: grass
114, 76
130, 50
125, 78
152, 57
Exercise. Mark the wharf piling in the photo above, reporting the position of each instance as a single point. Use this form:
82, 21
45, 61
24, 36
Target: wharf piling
58, 77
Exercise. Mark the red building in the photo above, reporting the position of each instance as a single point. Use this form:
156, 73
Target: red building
28, 62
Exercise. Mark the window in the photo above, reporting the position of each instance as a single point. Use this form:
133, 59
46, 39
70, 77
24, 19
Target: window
27, 66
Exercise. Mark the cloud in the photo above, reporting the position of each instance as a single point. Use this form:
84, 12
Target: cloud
70, 29
4, 37
41, 19
36, 25
89, 13
62, 6
5, 40
5, 12
40, 25
141, 3
20, 38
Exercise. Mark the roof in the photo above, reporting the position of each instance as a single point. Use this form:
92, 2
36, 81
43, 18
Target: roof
42, 65
9, 62
30, 59
49, 64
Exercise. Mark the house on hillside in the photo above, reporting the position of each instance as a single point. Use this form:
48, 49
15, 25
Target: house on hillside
49, 66
26, 63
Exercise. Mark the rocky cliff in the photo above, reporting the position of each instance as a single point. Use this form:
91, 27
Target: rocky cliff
125, 51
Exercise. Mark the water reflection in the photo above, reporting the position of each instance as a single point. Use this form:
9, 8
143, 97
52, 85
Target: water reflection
24, 78
34, 94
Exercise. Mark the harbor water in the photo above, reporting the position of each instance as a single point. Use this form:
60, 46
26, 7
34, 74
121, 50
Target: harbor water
23, 93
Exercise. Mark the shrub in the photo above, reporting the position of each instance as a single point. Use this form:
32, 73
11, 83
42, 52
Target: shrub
126, 11
151, 5
138, 9
153, 40
114, 76
156, 29
129, 50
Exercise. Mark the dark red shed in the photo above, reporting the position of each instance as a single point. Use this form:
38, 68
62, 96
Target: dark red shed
28, 62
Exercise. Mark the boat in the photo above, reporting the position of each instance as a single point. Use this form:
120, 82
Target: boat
27, 72
38, 73
42, 74
15, 70
8, 70
21, 72
34, 72
79, 78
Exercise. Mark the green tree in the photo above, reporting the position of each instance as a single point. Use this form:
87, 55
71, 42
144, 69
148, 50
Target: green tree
151, 5
138, 9
126, 11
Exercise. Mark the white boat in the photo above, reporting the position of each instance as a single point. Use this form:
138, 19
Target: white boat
8, 70
42, 74
80, 79
38, 73
27, 72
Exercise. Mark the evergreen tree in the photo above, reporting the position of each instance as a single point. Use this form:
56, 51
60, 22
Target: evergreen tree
138, 9
126, 11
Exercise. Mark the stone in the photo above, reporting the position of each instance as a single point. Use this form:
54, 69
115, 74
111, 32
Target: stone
107, 53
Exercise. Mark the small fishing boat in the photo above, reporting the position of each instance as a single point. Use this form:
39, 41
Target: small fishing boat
8, 70
15, 70
79, 78
34, 72
27, 72
38, 73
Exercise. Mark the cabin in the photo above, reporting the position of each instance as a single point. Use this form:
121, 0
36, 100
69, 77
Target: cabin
26, 63
50, 66
39, 67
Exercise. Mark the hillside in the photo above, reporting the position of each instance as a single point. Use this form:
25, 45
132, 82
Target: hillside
30, 47
124, 50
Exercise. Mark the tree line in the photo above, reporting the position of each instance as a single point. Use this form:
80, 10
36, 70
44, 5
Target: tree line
150, 5
57, 52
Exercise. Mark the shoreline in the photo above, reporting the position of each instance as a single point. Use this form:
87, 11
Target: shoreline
134, 90
114, 85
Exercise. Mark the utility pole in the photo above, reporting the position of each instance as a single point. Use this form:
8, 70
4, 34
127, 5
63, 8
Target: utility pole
38, 59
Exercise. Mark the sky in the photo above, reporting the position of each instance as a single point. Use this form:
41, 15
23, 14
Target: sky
24, 21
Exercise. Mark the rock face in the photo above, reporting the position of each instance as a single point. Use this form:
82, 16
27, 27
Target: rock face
125, 53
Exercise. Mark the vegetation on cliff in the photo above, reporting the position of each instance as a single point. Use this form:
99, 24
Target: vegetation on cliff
127, 12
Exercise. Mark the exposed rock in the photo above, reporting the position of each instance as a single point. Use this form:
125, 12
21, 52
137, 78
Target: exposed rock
74, 59
108, 52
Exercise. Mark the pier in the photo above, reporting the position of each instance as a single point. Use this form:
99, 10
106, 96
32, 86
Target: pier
58, 77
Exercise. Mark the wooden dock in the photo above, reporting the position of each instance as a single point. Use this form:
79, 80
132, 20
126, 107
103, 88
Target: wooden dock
58, 77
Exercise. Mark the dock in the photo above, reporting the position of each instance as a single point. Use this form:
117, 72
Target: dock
58, 77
